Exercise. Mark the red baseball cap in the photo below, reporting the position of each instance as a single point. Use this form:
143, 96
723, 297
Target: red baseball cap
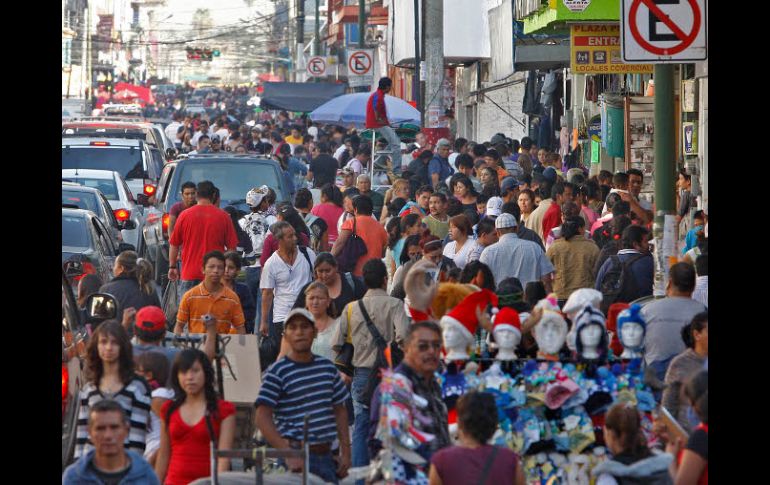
150, 319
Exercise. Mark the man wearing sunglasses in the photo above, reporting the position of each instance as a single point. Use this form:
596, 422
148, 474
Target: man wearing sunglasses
421, 360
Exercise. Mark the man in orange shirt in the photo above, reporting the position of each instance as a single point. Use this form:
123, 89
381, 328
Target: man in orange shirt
211, 299
367, 228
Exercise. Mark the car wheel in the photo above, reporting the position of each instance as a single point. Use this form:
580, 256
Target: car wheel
69, 431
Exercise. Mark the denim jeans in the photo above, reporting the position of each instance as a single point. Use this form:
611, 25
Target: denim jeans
324, 467
660, 366
275, 333
360, 452
394, 143
252, 281
184, 287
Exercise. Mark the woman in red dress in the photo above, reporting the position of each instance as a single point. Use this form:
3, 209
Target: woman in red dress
184, 453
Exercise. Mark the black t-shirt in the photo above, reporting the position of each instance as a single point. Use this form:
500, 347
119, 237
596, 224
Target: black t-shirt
324, 168
111, 478
420, 170
347, 294
699, 443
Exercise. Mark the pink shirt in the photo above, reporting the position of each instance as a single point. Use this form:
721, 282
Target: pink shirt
330, 213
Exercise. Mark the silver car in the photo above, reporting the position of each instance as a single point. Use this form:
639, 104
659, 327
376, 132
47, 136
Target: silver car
119, 196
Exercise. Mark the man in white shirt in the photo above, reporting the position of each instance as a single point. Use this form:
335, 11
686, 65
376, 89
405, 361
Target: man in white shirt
283, 276
173, 127
203, 129
359, 162
513, 256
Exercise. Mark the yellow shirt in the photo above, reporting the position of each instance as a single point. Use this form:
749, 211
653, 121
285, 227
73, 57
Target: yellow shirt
293, 141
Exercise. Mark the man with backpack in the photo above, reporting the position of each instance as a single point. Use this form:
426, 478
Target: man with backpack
629, 274
319, 230
376, 313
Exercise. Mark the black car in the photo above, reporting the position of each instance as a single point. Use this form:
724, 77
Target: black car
234, 175
86, 246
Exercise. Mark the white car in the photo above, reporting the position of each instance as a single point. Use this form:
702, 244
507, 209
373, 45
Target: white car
115, 189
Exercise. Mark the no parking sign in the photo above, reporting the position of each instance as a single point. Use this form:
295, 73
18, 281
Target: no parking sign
661, 31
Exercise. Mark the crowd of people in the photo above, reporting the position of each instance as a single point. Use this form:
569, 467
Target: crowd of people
336, 286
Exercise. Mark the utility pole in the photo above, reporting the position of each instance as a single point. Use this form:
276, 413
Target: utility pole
665, 149
361, 23
317, 43
300, 36
417, 57
434, 59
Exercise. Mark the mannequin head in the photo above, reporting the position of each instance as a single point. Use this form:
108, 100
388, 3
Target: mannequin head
591, 334
507, 333
631, 330
550, 332
457, 340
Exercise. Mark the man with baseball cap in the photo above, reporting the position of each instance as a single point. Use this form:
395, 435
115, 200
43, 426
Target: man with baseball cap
511, 256
509, 189
257, 225
348, 179
150, 330
304, 384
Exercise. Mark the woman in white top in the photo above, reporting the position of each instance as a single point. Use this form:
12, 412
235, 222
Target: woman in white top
318, 302
461, 232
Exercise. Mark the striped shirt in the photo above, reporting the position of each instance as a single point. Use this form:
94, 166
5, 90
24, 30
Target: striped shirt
225, 306
134, 398
295, 390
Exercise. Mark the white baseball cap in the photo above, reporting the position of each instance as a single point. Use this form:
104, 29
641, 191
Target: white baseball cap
494, 206
505, 221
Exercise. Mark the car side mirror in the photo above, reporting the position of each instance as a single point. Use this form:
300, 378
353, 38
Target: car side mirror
171, 153
101, 307
128, 224
143, 200
124, 247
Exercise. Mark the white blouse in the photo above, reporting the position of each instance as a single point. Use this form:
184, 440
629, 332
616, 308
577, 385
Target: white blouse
461, 258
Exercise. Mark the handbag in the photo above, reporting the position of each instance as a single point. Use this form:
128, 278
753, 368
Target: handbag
344, 360
354, 248
170, 304
380, 361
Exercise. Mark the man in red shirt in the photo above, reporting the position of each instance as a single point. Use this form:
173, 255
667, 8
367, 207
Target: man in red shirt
377, 119
562, 192
202, 228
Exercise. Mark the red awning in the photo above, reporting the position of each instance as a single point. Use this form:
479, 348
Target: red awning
126, 89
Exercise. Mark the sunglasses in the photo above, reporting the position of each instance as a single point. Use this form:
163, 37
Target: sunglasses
424, 346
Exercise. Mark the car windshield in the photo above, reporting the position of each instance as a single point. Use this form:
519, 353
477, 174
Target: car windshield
234, 179
108, 187
127, 161
74, 233
84, 200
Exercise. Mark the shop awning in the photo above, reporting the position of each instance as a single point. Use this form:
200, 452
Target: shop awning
300, 97
543, 57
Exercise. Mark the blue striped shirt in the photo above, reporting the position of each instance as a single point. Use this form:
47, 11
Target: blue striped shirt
295, 390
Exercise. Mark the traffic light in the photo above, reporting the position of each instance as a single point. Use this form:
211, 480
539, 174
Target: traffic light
201, 53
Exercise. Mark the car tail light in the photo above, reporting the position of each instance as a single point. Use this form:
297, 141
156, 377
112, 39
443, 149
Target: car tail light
165, 223
100, 144
149, 190
121, 214
65, 385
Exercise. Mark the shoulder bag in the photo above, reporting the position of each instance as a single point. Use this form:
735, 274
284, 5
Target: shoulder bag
380, 362
354, 248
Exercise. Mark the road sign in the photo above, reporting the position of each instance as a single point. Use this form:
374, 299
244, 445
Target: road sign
661, 31
360, 67
316, 66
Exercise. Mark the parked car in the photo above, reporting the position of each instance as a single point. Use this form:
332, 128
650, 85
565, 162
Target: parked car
74, 338
128, 213
86, 246
234, 175
76, 196
132, 159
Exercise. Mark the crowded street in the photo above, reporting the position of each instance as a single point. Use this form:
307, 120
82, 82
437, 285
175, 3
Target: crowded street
313, 242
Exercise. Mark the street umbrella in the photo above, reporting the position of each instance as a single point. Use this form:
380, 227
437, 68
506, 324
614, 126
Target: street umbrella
351, 109
124, 95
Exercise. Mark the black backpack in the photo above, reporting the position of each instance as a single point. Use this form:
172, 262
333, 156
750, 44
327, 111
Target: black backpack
618, 284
